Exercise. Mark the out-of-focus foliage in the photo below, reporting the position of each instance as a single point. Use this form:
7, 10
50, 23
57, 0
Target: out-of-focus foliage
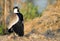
0, 10
1, 25
29, 11
1, 29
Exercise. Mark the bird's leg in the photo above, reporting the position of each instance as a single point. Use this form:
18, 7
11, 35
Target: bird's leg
14, 35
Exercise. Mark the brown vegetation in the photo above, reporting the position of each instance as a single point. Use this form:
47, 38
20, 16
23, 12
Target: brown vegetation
49, 20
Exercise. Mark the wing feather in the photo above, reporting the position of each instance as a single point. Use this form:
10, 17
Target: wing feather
13, 20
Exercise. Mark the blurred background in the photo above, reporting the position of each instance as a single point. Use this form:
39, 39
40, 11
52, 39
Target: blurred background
29, 8
41, 18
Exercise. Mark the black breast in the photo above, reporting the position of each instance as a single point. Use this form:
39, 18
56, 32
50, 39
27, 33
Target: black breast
19, 27
20, 16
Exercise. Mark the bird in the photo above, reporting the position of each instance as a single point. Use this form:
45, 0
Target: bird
16, 23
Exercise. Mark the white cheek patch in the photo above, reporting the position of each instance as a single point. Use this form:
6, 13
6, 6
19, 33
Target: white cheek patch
13, 22
15, 10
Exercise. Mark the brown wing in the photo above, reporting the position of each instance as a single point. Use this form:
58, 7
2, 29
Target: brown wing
13, 18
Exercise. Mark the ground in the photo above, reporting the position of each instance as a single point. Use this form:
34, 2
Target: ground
34, 37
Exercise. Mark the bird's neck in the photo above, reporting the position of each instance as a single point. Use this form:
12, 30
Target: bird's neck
18, 14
